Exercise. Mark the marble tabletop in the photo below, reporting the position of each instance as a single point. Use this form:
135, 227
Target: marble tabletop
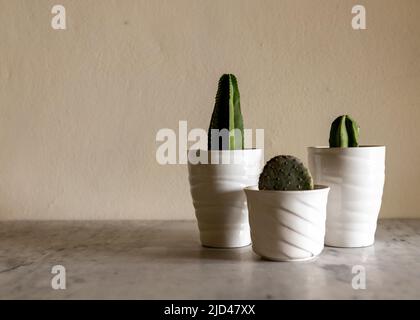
164, 260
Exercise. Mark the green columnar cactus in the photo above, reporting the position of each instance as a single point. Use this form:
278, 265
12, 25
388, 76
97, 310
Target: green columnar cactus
285, 173
344, 133
226, 121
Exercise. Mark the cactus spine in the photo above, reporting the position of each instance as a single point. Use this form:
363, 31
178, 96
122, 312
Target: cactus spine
285, 173
344, 133
226, 121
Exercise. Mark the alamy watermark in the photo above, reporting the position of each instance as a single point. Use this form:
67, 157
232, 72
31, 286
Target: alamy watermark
359, 280
359, 19
191, 146
58, 22
58, 282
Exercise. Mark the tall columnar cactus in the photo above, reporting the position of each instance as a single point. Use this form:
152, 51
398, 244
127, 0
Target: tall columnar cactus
344, 133
226, 121
285, 173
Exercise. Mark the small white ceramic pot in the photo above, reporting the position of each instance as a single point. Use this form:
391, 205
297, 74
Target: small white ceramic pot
356, 177
218, 198
287, 225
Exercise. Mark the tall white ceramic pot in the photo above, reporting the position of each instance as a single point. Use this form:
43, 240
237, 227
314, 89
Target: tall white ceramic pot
218, 197
356, 177
287, 225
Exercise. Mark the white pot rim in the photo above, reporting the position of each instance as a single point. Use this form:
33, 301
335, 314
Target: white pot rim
361, 147
225, 157
317, 188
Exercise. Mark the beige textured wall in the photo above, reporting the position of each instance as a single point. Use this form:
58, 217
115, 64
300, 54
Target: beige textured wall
80, 108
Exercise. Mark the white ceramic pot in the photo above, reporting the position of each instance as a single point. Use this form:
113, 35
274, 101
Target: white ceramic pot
356, 177
218, 198
287, 225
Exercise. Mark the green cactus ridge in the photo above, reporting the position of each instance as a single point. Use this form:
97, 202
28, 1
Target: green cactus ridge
286, 173
344, 133
227, 116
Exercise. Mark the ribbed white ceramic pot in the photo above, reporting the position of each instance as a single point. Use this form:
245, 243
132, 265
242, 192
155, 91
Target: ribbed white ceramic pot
356, 177
287, 225
218, 197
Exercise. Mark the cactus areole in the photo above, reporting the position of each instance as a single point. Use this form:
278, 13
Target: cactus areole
285, 173
226, 131
344, 133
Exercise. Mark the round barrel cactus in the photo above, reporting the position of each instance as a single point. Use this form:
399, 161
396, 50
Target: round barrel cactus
285, 173
344, 133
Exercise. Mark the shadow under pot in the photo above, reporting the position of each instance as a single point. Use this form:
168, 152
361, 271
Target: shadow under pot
287, 225
217, 179
356, 177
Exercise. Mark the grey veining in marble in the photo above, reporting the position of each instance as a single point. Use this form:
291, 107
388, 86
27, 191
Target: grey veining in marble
164, 260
